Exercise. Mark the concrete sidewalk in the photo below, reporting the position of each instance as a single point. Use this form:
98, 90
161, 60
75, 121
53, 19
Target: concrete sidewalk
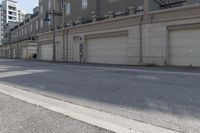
17, 116
101, 119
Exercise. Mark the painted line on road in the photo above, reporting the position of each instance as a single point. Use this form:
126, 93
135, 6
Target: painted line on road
126, 69
146, 71
100, 119
20, 73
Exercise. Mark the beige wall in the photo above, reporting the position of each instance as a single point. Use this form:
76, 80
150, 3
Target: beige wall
147, 39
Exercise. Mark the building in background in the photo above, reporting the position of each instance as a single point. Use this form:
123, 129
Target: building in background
11, 10
10, 14
21, 15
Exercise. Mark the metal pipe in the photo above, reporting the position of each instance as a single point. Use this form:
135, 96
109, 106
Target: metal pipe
54, 37
67, 42
141, 42
64, 39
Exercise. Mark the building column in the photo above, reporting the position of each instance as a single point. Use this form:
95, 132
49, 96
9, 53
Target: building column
146, 9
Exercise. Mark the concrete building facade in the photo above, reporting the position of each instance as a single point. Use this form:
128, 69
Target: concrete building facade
149, 32
11, 10
21, 15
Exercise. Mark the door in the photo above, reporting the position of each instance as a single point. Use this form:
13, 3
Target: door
24, 53
77, 49
46, 52
184, 47
108, 50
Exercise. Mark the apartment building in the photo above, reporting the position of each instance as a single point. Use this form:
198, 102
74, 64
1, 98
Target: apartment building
10, 14
129, 32
11, 10
21, 15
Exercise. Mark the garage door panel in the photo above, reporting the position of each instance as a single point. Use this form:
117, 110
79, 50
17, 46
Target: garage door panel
23, 53
183, 61
46, 52
184, 47
180, 50
109, 50
107, 53
107, 60
179, 43
191, 33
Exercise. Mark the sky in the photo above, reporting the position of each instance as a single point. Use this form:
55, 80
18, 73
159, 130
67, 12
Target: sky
27, 5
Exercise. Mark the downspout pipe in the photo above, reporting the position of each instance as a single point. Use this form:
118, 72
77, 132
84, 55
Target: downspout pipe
67, 43
141, 42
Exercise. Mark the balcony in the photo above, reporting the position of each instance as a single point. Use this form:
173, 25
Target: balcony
166, 4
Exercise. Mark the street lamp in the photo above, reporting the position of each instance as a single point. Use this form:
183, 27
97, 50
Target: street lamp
54, 13
54, 31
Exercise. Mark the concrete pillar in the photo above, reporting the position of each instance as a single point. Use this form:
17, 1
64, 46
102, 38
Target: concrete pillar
146, 7
146, 10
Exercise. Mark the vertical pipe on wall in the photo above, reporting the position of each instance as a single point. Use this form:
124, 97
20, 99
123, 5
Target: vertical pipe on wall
64, 44
67, 43
54, 33
63, 14
141, 43
54, 37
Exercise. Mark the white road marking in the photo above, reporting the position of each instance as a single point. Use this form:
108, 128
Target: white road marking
101, 119
19, 73
146, 77
127, 69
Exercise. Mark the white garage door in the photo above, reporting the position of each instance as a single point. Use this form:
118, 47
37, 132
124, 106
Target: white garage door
77, 49
46, 52
184, 47
108, 50
24, 52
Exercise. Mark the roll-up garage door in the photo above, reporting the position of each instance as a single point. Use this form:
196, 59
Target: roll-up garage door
184, 47
108, 50
24, 52
46, 52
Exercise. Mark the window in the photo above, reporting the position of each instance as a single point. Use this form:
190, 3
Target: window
31, 27
196, 1
25, 31
68, 8
49, 4
41, 23
61, 4
49, 22
36, 23
41, 9
84, 4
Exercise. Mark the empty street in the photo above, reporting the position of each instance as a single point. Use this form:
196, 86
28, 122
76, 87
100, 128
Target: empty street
166, 97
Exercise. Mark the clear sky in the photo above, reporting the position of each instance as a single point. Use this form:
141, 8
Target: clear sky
27, 5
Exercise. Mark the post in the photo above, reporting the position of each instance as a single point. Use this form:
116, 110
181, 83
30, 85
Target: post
9, 41
146, 9
141, 41
54, 37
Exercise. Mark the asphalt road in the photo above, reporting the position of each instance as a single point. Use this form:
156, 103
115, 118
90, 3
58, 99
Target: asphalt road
21, 117
168, 97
